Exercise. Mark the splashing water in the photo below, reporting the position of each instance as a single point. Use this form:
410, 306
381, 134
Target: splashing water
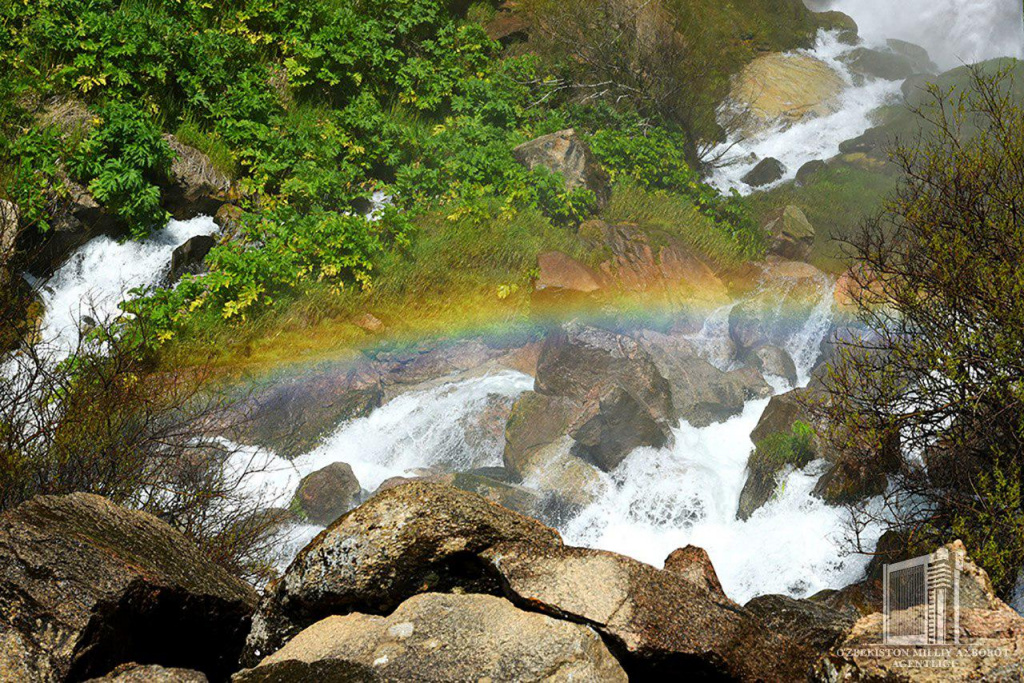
812, 138
953, 31
97, 277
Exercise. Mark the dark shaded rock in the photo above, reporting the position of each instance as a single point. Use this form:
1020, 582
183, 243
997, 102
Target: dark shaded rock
565, 153
536, 420
917, 55
872, 142
771, 360
657, 622
694, 565
845, 26
879, 64
86, 585
701, 393
443, 638
766, 172
150, 673
188, 258
577, 359
810, 623
790, 234
613, 426
807, 172
328, 493
196, 186
410, 539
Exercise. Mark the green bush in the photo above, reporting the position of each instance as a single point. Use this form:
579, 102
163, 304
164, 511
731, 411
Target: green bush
794, 448
123, 160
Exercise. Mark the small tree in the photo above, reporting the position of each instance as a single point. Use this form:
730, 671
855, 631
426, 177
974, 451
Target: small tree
939, 285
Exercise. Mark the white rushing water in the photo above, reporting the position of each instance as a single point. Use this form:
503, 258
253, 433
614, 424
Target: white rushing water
811, 138
954, 32
97, 278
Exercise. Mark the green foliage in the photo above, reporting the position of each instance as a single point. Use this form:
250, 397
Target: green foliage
794, 448
123, 159
30, 175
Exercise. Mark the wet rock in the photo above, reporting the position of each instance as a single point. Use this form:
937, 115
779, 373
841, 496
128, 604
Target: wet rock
506, 494
917, 55
790, 234
565, 153
570, 481
782, 89
845, 26
783, 411
766, 172
915, 86
806, 173
86, 585
188, 258
197, 187
484, 431
771, 360
328, 493
561, 276
536, 420
806, 622
577, 359
701, 393
442, 638
694, 565
427, 363
884, 64
410, 539
613, 426
773, 315
292, 416
150, 673
658, 622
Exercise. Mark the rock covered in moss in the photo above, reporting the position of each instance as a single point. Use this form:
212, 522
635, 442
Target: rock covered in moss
86, 585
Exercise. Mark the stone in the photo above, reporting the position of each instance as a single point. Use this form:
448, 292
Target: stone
410, 539
370, 323
86, 585
519, 499
694, 565
771, 360
872, 142
577, 359
701, 393
614, 426
229, 219
188, 258
567, 154
570, 482
844, 25
886, 65
915, 53
781, 89
766, 172
807, 622
442, 638
9, 228
560, 275
536, 420
150, 673
658, 622
197, 187
783, 411
806, 173
328, 493
790, 234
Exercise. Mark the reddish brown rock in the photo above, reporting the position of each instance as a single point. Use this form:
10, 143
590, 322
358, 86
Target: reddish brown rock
560, 273
694, 565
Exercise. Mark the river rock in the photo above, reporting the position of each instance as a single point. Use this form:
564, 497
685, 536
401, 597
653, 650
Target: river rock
783, 411
658, 622
519, 499
918, 56
561, 276
806, 172
790, 234
150, 673
613, 426
701, 393
807, 622
188, 258
567, 154
694, 565
86, 585
885, 64
771, 360
570, 481
577, 359
843, 24
766, 172
410, 539
197, 187
782, 89
328, 493
536, 420
442, 638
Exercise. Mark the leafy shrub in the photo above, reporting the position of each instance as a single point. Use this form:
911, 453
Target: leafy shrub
122, 160
794, 448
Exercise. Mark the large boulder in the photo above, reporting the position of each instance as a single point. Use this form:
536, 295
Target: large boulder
567, 154
766, 172
658, 622
437, 637
783, 411
328, 493
807, 622
701, 393
189, 257
197, 186
86, 585
410, 539
771, 360
790, 234
613, 426
885, 64
569, 481
536, 420
781, 89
